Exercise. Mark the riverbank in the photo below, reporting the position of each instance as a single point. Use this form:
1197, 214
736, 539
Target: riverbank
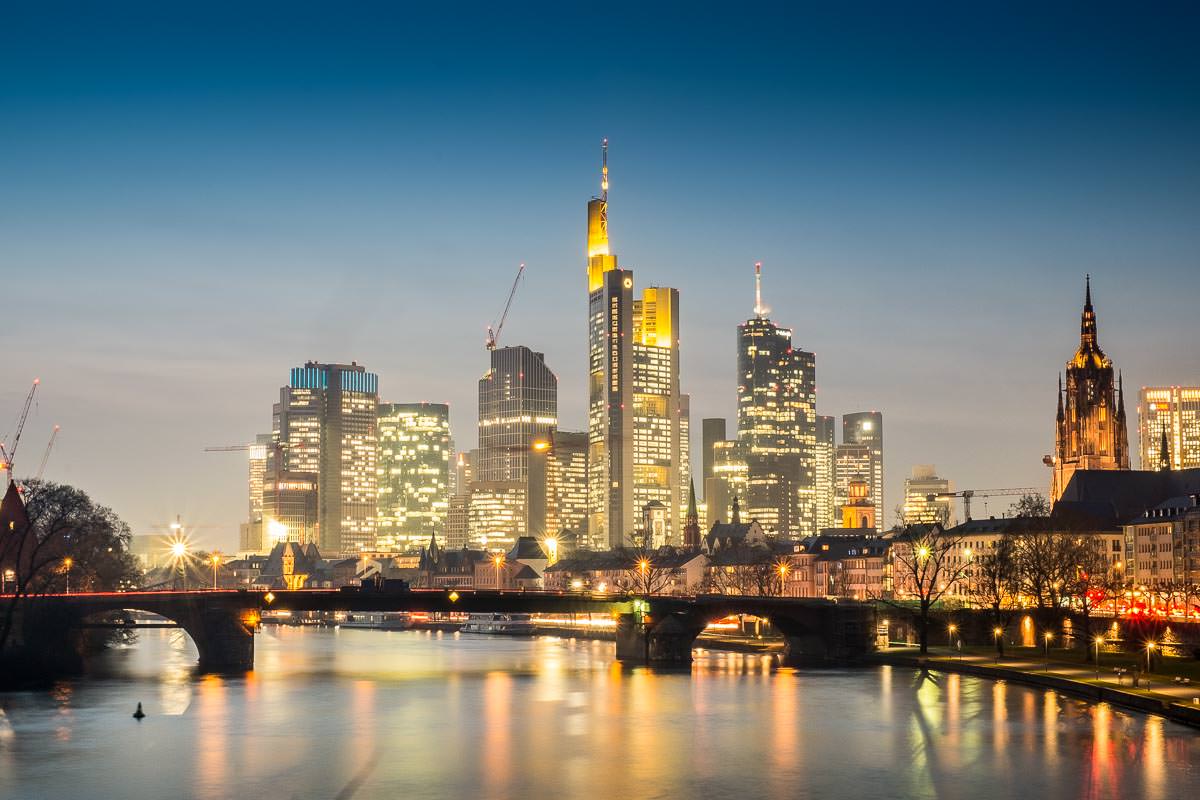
1163, 697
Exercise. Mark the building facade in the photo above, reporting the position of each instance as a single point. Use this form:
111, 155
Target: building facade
1175, 412
776, 421
326, 423
865, 429
824, 461
926, 498
634, 429
413, 474
1089, 432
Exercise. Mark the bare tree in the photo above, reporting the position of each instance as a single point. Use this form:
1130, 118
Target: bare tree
58, 538
647, 571
745, 569
994, 586
926, 563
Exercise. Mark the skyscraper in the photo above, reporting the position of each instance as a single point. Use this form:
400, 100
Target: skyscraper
414, 474
1175, 411
712, 431
518, 406
1090, 428
824, 456
634, 430
250, 539
777, 423
326, 420
865, 429
924, 498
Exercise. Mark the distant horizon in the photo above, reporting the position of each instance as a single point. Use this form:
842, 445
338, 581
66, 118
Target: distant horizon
195, 203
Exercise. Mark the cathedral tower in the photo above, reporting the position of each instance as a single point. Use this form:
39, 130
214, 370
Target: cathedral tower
1090, 428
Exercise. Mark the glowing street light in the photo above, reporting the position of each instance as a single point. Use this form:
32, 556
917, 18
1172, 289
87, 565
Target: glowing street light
498, 560
1150, 656
1049, 636
996, 633
67, 562
215, 560
950, 631
1099, 640
783, 572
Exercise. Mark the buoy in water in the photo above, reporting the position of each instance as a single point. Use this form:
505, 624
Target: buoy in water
139, 713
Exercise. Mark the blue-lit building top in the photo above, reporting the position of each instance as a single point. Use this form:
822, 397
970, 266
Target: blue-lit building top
351, 377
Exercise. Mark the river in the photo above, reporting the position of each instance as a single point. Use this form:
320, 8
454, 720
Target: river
372, 714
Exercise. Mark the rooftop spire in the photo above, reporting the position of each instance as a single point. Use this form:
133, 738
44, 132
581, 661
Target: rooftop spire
759, 311
604, 170
1087, 325
1164, 453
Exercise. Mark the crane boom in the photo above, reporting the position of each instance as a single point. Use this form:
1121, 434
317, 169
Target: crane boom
11, 453
967, 494
46, 455
494, 333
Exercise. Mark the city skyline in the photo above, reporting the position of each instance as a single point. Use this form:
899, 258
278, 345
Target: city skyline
896, 264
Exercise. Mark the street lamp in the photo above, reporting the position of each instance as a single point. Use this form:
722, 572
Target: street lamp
1099, 640
783, 571
1149, 656
67, 562
950, 631
215, 560
498, 560
996, 632
1049, 636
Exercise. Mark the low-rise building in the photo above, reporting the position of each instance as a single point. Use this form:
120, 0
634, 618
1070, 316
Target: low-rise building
1162, 546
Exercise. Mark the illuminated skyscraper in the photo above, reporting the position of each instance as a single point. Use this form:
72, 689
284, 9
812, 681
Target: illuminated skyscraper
518, 407
1174, 410
566, 494
1090, 428
824, 455
326, 420
414, 474
925, 500
777, 424
635, 450
518, 403
250, 537
864, 429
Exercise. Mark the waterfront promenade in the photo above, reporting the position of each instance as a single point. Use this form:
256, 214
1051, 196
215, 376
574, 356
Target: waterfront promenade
1157, 692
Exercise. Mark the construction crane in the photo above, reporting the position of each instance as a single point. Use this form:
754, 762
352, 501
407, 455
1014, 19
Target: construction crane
493, 334
7, 455
967, 494
46, 455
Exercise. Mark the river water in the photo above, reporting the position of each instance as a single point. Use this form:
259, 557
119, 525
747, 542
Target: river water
398, 715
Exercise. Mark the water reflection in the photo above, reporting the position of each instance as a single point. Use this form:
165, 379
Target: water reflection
382, 715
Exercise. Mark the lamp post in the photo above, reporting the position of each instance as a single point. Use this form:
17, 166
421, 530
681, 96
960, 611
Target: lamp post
950, 631
1099, 640
215, 559
498, 560
996, 641
783, 571
1149, 656
67, 562
1048, 636
643, 569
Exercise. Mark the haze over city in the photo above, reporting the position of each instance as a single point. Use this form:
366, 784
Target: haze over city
194, 205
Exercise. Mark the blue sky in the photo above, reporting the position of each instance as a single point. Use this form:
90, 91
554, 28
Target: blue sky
195, 199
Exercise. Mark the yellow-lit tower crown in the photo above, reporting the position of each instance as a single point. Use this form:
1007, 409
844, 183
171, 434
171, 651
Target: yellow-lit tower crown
600, 258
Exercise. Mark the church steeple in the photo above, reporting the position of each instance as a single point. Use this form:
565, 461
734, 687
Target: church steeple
1061, 414
736, 513
1164, 453
1087, 323
691, 527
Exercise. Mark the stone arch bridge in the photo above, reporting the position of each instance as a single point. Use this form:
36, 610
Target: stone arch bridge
654, 629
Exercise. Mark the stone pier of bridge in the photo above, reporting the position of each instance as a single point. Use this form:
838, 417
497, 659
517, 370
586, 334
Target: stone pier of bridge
827, 634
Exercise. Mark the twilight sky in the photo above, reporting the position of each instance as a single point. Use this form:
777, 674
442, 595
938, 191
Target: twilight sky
195, 199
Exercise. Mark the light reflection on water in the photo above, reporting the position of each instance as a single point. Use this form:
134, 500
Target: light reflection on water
371, 714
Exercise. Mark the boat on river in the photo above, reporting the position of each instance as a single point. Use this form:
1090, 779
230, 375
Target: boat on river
378, 622
502, 624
